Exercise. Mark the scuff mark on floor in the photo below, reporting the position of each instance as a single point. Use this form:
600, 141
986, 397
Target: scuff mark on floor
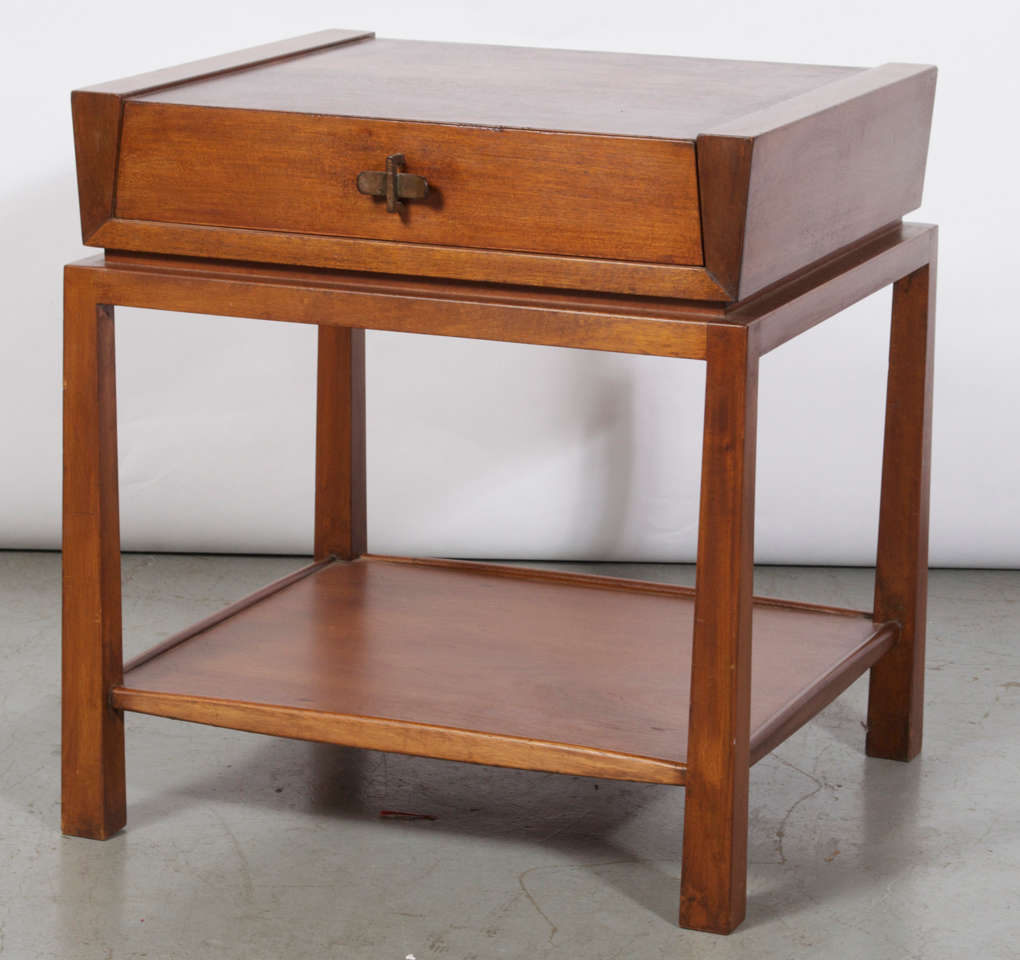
781, 829
246, 881
553, 929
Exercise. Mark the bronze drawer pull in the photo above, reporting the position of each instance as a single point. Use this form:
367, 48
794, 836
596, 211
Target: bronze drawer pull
393, 184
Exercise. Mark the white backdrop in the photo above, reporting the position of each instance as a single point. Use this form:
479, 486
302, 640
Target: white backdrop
491, 450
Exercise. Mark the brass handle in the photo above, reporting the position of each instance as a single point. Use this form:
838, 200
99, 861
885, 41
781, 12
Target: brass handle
393, 184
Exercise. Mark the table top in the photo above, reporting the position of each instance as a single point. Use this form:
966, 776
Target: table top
503, 86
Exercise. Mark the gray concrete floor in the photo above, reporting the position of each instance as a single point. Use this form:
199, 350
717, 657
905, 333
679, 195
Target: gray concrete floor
241, 846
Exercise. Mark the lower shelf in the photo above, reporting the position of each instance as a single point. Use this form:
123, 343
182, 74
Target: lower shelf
497, 665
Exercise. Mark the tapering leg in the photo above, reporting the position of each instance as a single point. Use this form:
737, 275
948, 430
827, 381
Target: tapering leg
340, 514
93, 800
896, 694
714, 871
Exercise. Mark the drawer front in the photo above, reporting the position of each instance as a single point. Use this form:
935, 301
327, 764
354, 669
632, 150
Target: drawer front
617, 198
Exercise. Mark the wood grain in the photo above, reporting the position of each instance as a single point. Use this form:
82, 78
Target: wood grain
602, 582
770, 734
522, 315
483, 85
570, 206
826, 168
426, 287
393, 736
225, 614
340, 481
714, 874
419, 259
96, 119
553, 168
789, 308
558, 660
92, 764
97, 113
896, 694
617, 198
207, 68
724, 175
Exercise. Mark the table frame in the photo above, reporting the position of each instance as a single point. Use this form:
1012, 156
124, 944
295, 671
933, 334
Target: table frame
730, 338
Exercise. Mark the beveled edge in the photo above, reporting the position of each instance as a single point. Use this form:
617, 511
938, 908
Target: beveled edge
819, 291
827, 96
97, 112
822, 692
207, 67
633, 278
401, 736
731, 153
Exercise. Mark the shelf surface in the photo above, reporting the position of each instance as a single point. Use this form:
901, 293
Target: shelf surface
499, 665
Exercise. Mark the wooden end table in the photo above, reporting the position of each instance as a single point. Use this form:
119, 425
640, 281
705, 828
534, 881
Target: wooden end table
710, 210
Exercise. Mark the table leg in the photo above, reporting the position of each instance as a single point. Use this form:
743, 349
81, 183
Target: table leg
896, 694
93, 799
340, 513
714, 871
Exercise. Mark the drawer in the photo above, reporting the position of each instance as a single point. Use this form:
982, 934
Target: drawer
607, 197
658, 176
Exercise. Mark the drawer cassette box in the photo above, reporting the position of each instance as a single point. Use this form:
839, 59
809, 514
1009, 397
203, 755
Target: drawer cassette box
665, 176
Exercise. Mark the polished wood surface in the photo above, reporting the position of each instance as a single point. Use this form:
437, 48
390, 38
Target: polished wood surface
489, 188
483, 85
724, 172
645, 325
238, 60
92, 762
341, 510
418, 259
805, 299
802, 178
521, 315
556, 660
533, 669
896, 694
554, 168
819, 695
96, 113
220, 615
667, 206
96, 120
714, 876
